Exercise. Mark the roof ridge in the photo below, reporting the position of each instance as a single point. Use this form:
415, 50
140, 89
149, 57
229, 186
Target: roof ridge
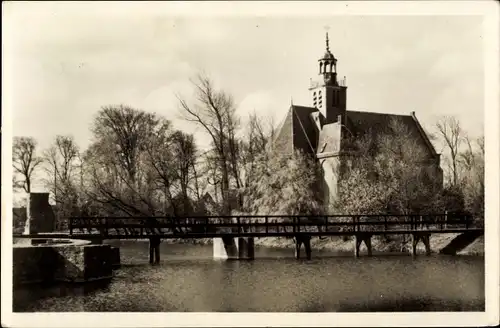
378, 113
309, 107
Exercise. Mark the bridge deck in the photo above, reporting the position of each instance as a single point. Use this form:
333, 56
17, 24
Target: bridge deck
232, 234
260, 226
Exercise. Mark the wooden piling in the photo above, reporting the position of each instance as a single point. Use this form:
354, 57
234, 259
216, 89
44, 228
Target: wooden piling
368, 243
357, 241
427, 244
414, 242
154, 250
298, 244
307, 246
425, 238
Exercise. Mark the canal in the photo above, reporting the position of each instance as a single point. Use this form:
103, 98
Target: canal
188, 279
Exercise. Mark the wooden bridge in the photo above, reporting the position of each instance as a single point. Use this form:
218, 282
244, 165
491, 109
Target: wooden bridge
262, 226
301, 227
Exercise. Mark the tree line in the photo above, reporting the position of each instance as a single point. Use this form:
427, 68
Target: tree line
138, 164
397, 174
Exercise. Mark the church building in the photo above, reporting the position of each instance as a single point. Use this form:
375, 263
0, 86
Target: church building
322, 129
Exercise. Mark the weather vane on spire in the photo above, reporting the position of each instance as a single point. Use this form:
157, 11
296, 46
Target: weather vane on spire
327, 40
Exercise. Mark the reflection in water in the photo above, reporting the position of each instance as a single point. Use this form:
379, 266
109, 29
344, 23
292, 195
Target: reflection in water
188, 279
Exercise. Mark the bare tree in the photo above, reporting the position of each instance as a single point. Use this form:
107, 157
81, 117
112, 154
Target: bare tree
116, 160
450, 131
471, 161
24, 161
171, 155
138, 165
255, 146
214, 110
390, 173
62, 164
183, 160
126, 128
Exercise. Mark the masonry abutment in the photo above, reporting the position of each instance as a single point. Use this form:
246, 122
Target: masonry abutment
230, 248
359, 238
425, 238
306, 240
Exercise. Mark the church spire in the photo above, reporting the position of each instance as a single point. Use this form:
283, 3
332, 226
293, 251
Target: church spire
328, 65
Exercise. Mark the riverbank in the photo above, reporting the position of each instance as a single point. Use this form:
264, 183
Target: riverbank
338, 244
395, 245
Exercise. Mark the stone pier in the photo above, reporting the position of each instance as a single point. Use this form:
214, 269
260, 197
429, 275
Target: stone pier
416, 238
230, 248
306, 240
367, 239
66, 260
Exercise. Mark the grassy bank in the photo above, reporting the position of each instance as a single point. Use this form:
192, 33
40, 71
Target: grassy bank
337, 244
379, 244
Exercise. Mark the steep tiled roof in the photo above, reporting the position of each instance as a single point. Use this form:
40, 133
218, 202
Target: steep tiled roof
283, 142
360, 123
297, 131
304, 131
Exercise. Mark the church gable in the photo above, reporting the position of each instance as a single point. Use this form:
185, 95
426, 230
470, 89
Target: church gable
330, 138
297, 132
304, 134
283, 142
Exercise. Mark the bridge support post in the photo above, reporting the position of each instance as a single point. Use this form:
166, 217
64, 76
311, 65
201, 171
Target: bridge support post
246, 250
154, 250
306, 240
298, 244
367, 239
425, 238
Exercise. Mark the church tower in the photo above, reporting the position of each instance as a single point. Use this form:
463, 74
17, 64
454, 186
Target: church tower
327, 92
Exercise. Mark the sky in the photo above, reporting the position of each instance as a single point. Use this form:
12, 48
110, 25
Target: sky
65, 64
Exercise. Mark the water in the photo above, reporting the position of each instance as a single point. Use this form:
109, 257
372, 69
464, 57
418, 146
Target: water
188, 279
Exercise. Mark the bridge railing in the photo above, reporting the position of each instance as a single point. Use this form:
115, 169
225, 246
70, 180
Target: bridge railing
264, 224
